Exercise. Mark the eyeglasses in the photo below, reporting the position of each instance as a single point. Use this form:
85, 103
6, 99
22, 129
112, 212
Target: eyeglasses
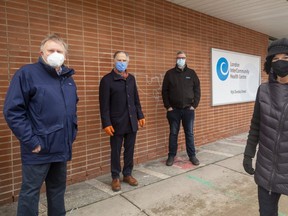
284, 58
181, 58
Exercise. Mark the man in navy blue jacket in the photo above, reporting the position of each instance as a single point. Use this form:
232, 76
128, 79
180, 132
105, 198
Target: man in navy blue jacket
40, 109
120, 113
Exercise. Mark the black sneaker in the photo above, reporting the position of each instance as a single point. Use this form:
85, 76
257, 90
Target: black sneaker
194, 160
170, 161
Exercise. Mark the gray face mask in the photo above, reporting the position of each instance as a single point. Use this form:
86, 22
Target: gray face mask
181, 63
280, 68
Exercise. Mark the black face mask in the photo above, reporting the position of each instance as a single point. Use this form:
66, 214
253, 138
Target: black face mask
280, 68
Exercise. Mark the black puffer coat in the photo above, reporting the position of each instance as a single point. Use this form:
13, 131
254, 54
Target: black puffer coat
269, 129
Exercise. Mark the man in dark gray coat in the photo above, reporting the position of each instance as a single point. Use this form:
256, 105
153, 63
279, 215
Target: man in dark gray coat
120, 114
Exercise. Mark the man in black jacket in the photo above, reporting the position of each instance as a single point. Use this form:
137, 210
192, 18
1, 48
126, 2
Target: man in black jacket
181, 96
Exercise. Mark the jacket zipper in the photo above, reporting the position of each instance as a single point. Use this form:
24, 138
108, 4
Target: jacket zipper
275, 149
62, 82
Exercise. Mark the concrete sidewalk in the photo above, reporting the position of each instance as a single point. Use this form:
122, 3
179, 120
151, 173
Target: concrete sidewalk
218, 187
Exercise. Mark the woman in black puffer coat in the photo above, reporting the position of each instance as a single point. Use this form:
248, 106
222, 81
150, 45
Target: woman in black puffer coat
269, 129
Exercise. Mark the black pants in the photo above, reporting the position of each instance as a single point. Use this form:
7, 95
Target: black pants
268, 203
116, 145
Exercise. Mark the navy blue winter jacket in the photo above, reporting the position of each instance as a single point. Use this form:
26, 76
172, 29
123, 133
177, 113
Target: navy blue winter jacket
40, 109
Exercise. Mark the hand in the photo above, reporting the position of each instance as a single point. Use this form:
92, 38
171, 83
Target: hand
37, 149
247, 164
192, 108
169, 109
142, 122
109, 130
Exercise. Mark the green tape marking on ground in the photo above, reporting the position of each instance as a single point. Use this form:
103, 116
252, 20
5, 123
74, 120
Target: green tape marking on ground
213, 187
202, 181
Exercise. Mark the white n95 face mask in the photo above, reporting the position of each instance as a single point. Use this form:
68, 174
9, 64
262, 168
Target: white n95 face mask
55, 59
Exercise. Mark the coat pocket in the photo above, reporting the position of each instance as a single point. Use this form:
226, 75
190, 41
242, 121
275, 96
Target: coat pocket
52, 140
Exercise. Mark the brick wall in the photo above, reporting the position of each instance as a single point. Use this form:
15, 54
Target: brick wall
151, 31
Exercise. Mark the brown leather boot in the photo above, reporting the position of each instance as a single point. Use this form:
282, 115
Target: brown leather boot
116, 185
130, 180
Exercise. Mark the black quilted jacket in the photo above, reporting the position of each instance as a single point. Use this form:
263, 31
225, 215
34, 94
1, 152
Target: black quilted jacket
269, 129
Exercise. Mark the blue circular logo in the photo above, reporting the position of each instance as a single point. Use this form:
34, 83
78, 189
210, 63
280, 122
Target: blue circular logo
222, 68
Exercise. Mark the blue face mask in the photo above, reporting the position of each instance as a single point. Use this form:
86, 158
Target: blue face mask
121, 66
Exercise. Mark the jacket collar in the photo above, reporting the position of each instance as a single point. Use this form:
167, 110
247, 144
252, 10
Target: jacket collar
117, 76
66, 72
179, 70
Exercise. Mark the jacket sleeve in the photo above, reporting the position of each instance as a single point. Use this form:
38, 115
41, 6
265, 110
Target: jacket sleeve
104, 100
16, 111
140, 114
165, 91
197, 91
253, 135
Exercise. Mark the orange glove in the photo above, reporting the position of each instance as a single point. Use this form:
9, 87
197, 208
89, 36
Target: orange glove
142, 122
109, 130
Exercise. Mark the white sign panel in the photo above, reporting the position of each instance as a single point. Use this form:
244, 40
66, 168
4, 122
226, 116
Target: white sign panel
235, 77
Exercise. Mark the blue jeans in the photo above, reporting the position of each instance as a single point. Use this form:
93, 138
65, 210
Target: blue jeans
268, 203
174, 118
33, 176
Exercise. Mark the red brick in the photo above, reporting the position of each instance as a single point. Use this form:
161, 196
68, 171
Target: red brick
151, 31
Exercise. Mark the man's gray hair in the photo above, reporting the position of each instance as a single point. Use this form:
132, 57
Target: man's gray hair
180, 52
117, 52
56, 38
